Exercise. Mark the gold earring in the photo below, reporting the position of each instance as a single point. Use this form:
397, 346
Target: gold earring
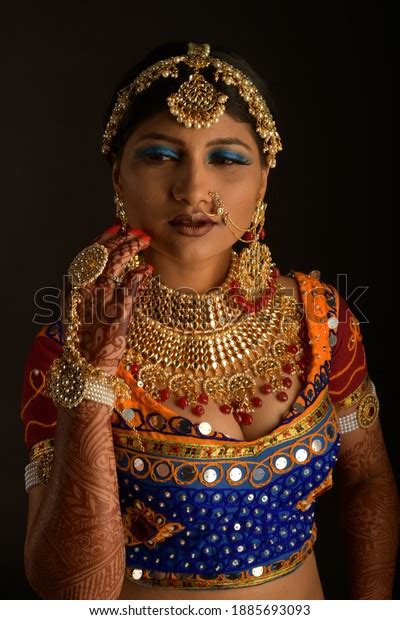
120, 212
256, 273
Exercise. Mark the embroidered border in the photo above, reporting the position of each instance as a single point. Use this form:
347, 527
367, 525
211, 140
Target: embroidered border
256, 473
234, 450
355, 397
251, 577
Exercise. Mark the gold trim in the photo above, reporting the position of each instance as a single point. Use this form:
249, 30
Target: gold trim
166, 447
353, 398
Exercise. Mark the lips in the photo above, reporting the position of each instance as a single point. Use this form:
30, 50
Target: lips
191, 220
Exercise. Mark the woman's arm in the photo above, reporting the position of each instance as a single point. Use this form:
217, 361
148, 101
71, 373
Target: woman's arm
369, 512
75, 544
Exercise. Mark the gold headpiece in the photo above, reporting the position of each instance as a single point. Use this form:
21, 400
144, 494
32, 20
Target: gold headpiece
197, 103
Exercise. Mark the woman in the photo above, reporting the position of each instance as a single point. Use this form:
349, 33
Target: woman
183, 420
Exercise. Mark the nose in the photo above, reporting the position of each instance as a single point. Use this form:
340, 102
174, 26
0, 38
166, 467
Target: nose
192, 184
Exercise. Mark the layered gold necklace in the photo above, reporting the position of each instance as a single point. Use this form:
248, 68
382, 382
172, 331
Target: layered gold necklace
193, 347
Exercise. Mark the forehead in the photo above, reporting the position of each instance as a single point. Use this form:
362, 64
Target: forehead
166, 124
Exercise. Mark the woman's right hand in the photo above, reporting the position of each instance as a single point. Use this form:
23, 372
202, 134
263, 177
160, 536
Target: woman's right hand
106, 307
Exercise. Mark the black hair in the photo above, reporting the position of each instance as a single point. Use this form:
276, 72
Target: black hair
153, 100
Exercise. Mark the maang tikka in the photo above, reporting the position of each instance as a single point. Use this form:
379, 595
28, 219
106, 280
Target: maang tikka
197, 102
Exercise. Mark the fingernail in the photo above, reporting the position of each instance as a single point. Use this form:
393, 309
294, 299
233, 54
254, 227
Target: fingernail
135, 231
113, 229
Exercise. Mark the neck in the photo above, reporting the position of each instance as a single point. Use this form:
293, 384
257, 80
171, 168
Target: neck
194, 276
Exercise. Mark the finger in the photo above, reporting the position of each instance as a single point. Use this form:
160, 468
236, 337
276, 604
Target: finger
133, 284
117, 231
118, 305
120, 256
117, 243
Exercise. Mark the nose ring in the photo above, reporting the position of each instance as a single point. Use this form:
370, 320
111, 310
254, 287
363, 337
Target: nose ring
220, 207
222, 212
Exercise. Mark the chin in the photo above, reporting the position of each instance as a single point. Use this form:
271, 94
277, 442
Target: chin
187, 250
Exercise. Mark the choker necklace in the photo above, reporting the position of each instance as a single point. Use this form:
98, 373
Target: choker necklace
194, 347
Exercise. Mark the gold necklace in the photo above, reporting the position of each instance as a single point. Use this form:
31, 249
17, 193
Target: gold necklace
200, 346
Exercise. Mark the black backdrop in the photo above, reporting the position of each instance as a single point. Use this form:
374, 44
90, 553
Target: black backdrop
329, 197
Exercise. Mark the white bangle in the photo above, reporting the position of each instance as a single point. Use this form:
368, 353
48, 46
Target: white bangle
37, 472
99, 391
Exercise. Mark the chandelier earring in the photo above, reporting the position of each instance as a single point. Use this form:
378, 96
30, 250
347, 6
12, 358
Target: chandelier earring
120, 212
256, 275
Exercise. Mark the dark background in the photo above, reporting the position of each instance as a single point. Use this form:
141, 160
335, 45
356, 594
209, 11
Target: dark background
329, 197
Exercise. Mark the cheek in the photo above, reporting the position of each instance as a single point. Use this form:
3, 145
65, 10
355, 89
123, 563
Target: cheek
241, 200
142, 196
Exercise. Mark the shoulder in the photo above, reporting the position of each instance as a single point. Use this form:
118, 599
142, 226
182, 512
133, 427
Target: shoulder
290, 286
299, 285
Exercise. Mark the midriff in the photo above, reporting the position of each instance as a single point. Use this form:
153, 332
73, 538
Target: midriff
302, 584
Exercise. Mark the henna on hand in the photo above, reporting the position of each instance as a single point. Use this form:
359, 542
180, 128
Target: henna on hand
75, 547
106, 309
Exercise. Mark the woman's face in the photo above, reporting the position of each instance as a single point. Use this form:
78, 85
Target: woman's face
167, 169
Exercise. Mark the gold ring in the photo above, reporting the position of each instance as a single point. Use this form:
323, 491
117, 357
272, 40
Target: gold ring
88, 265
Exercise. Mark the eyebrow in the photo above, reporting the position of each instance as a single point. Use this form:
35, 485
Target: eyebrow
218, 141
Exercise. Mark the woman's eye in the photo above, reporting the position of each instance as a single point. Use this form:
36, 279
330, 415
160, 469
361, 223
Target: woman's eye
228, 159
158, 154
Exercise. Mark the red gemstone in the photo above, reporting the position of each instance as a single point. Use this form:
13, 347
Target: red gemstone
256, 401
282, 396
164, 394
292, 348
287, 382
238, 415
239, 300
203, 398
258, 305
247, 418
248, 236
182, 402
234, 284
275, 272
288, 368
198, 410
225, 409
266, 388
262, 234
135, 368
